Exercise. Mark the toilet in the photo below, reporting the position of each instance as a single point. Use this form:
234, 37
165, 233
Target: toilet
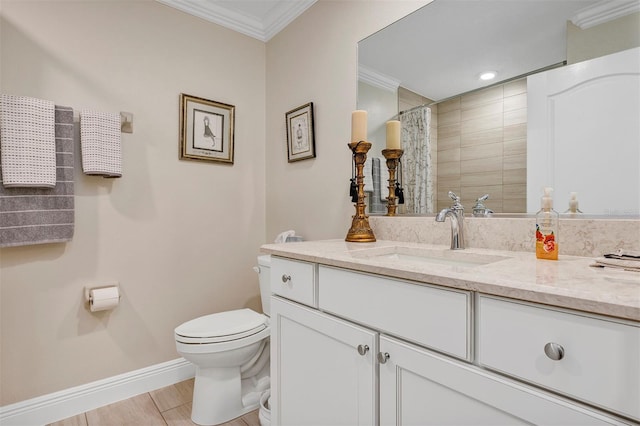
231, 353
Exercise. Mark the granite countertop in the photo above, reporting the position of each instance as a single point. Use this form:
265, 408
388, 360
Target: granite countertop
568, 282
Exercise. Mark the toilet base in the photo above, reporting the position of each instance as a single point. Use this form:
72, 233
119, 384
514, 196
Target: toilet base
220, 395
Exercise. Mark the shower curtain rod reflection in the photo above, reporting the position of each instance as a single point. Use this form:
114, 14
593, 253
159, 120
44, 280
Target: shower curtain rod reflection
415, 108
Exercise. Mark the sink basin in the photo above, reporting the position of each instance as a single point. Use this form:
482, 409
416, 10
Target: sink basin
414, 255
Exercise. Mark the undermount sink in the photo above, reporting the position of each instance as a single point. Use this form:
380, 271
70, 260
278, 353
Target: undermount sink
417, 255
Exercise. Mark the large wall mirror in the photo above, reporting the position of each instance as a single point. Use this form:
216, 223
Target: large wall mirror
476, 136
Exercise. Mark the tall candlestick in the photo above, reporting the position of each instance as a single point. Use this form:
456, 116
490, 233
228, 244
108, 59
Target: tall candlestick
393, 158
393, 134
360, 231
358, 126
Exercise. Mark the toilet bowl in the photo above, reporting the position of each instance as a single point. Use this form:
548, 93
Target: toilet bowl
231, 353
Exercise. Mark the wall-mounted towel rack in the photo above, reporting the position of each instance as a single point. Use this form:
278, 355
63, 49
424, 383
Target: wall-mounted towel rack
126, 122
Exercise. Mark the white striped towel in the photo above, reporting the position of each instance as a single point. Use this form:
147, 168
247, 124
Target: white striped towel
100, 143
27, 142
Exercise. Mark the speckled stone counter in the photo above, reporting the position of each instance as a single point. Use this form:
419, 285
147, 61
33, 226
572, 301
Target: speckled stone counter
568, 283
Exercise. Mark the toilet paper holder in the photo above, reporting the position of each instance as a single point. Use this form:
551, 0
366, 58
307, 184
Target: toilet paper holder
109, 297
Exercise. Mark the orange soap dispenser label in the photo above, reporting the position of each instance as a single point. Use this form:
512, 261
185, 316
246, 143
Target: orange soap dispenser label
546, 245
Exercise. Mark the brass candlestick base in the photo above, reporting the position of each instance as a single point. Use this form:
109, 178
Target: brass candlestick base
393, 157
360, 231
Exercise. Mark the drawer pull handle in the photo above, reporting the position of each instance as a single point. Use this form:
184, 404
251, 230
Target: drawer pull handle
286, 278
363, 349
383, 357
554, 351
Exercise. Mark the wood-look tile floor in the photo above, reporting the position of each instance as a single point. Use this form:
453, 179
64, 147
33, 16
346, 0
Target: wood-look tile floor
169, 406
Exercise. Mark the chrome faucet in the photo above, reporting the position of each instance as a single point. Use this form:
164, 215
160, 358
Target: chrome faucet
456, 213
480, 210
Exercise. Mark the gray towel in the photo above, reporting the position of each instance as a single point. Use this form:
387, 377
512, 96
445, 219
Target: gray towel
41, 215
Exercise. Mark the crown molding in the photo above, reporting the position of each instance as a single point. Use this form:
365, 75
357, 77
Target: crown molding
604, 11
376, 79
283, 13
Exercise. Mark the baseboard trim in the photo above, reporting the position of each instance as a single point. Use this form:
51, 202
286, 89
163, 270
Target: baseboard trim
69, 402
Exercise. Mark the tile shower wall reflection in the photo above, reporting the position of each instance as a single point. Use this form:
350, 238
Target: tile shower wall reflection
482, 147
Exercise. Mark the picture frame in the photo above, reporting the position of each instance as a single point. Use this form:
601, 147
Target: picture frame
206, 129
300, 133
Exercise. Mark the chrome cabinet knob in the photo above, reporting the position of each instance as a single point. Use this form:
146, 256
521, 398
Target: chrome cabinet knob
363, 349
286, 278
554, 351
383, 357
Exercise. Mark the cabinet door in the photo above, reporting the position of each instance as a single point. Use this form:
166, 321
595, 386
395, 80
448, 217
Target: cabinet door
418, 387
318, 376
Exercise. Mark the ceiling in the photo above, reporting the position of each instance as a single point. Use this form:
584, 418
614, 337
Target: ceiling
440, 50
260, 19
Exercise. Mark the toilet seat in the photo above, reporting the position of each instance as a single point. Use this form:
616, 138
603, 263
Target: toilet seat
221, 327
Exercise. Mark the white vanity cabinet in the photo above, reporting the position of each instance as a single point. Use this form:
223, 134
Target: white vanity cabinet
323, 370
420, 387
594, 359
430, 316
294, 280
375, 350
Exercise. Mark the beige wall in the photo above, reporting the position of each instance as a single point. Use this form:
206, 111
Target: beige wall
180, 237
381, 106
314, 59
613, 36
408, 99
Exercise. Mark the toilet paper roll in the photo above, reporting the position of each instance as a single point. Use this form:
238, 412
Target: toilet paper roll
102, 299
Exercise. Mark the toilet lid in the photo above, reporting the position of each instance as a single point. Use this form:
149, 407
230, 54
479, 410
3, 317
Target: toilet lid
221, 327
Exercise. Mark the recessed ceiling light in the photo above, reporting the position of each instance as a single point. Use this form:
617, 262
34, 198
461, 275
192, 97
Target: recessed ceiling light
488, 75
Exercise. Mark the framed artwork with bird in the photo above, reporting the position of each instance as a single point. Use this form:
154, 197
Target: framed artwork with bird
206, 129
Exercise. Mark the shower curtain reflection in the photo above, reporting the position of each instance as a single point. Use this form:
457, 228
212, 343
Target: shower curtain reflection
418, 175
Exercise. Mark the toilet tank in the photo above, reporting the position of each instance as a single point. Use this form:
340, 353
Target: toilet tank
264, 273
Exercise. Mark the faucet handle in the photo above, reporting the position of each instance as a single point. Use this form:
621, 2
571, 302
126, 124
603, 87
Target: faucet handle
456, 201
479, 209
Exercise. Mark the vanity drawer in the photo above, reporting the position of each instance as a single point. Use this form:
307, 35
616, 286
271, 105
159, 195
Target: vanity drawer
599, 361
294, 280
429, 316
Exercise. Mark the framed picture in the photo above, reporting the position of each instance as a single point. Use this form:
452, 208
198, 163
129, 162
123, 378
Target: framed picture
300, 139
206, 130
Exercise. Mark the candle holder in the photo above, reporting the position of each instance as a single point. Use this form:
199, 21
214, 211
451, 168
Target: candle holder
360, 231
393, 158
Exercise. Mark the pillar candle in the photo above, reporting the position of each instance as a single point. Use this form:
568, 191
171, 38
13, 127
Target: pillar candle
358, 126
393, 134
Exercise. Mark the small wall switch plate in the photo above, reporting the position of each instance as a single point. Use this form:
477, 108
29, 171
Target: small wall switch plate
126, 122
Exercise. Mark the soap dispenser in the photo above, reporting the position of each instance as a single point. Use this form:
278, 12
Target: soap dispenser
573, 204
547, 223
